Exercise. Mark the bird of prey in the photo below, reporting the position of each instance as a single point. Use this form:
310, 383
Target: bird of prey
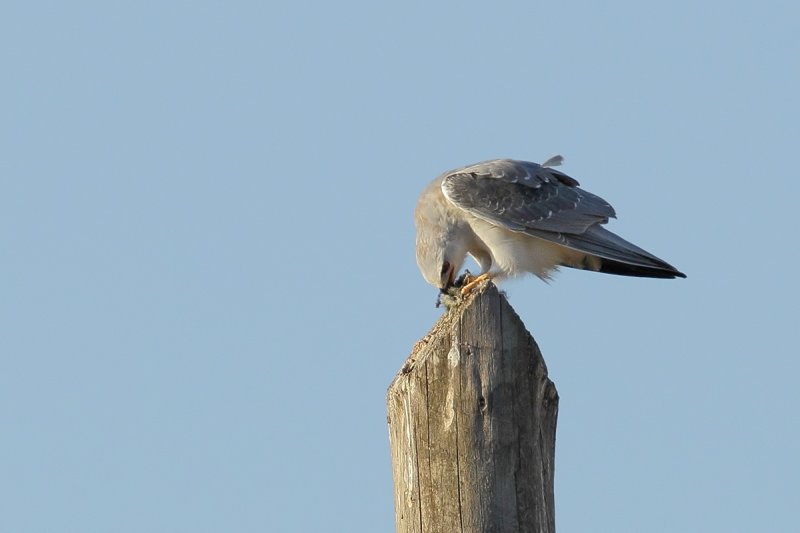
516, 217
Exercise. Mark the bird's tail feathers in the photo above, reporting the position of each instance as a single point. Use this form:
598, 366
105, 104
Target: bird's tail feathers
618, 255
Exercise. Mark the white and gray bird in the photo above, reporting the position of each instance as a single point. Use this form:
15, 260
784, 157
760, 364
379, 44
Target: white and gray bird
515, 217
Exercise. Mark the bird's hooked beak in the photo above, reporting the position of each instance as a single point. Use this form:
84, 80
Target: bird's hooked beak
448, 273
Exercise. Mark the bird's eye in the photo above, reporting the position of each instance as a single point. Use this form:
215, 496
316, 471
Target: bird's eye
445, 267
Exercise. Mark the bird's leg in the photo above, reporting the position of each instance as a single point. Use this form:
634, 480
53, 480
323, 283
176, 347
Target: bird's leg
471, 283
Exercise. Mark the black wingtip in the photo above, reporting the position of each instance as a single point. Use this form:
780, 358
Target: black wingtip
625, 269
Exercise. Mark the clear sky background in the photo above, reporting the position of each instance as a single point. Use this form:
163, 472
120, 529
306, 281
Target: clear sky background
207, 274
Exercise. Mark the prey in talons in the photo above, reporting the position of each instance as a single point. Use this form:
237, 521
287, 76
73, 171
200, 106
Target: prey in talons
454, 292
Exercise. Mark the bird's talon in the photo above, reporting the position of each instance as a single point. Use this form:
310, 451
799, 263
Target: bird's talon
472, 283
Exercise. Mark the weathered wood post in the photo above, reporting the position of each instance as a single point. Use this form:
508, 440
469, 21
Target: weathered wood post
472, 426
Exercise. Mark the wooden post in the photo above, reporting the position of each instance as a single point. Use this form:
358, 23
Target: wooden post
472, 425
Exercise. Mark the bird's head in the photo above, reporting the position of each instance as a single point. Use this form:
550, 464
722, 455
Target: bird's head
441, 250
434, 265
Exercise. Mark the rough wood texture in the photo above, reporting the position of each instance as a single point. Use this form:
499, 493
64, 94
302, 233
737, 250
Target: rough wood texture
472, 426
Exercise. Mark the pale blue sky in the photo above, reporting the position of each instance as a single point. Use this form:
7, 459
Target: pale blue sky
208, 277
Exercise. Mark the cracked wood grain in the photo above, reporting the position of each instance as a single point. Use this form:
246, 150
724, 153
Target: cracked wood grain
472, 424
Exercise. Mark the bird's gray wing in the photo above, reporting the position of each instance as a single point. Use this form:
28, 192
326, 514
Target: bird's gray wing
523, 196
545, 203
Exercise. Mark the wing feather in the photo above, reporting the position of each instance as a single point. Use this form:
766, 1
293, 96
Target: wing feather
520, 195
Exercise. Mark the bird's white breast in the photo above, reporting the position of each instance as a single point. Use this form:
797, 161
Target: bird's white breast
514, 253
